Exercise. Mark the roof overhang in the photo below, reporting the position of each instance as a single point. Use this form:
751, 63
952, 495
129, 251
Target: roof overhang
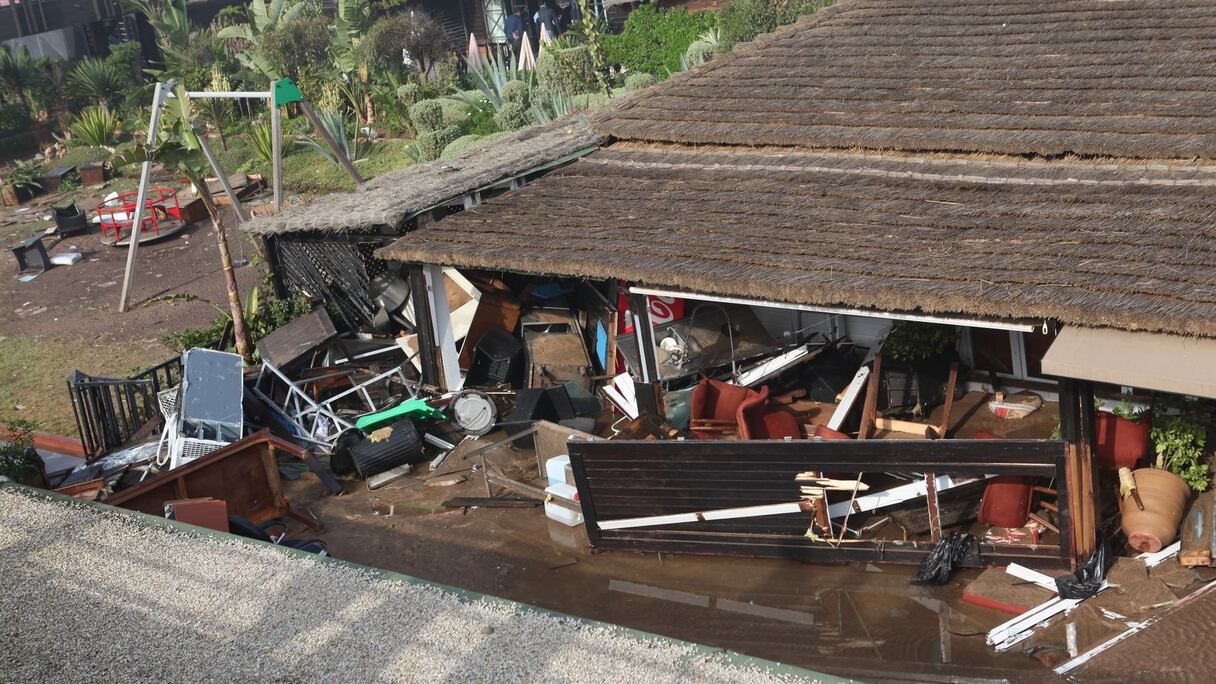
964, 321
1166, 363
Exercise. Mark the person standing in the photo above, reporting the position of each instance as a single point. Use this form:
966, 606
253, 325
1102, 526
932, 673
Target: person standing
517, 24
545, 18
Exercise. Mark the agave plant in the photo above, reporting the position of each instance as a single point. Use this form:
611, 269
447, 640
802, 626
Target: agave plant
262, 141
95, 79
95, 126
334, 124
492, 77
548, 105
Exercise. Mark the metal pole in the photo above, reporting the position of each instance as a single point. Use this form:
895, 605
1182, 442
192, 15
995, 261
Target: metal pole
333, 145
276, 163
219, 171
158, 101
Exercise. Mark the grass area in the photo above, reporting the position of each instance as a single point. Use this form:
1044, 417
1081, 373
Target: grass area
34, 373
306, 171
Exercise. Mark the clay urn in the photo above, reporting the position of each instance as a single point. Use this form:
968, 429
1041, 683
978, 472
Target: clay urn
1165, 496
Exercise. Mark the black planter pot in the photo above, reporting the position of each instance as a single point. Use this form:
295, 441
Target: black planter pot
905, 385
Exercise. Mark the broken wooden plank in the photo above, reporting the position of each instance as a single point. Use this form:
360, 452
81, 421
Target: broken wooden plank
702, 516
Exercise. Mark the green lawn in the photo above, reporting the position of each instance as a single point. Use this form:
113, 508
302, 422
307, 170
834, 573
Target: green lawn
33, 379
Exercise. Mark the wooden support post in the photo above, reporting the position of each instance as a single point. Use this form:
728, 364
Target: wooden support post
944, 429
639, 313
1075, 403
870, 409
276, 154
339, 154
145, 176
935, 517
420, 300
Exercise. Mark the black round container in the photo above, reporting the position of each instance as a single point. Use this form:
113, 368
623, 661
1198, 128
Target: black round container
403, 445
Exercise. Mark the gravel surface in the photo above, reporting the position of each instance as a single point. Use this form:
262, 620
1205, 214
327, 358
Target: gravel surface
92, 595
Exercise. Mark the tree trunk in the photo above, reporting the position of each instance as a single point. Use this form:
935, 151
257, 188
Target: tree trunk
234, 294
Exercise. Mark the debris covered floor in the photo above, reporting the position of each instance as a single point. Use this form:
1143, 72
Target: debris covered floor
141, 601
863, 621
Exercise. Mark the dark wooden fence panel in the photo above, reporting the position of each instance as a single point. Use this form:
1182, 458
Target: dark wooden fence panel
629, 479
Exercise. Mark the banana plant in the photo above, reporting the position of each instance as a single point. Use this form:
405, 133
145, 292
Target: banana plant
262, 18
352, 21
178, 150
169, 20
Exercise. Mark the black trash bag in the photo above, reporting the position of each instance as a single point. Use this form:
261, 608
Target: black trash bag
957, 549
1089, 576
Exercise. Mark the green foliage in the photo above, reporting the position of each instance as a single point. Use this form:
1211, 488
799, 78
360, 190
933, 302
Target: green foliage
459, 145
654, 40
511, 116
171, 23
261, 140
190, 338
569, 70
95, 126
124, 58
415, 34
409, 94
1126, 409
432, 142
18, 457
427, 115
14, 119
298, 49
19, 73
493, 77
639, 80
262, 18
911, 341
96, 80
742, 20
1179, 434
23, 175
334, 123
701, 50
515, 92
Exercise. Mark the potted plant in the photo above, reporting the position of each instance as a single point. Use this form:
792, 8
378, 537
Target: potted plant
20, 183
1122, 435
916, 365
18, 459
1178, 436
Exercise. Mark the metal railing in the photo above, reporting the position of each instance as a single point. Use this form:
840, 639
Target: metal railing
110, 411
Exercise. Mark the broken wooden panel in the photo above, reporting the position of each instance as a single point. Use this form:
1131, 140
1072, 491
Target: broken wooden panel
636, 479
245, 474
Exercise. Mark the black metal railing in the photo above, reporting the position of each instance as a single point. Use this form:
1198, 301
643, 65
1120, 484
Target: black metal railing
110, 411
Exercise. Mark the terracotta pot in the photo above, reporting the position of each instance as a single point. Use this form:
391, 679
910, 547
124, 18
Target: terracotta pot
1165, 496
1121, 443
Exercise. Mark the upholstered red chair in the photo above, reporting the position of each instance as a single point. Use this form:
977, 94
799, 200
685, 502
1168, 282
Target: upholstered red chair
760, 418
714, 408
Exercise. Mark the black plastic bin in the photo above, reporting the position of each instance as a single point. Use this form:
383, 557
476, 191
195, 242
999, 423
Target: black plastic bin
403, 445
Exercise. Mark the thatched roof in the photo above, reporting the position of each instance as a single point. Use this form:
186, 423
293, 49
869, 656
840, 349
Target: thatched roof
389, 200
1127, 78
1123, 246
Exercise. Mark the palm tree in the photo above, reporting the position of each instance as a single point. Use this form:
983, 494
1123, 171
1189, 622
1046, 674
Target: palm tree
18, 72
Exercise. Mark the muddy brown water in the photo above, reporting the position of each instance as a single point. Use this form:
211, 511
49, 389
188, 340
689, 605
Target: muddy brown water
859, 620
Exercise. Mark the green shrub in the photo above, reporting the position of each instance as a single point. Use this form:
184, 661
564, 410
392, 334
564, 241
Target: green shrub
742, 20
653, 40
427, 115
459, 145
431, 143
409, 94
569, 70
639, 80
298, 49
14, 119
454, 111
515, 92
511, 117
